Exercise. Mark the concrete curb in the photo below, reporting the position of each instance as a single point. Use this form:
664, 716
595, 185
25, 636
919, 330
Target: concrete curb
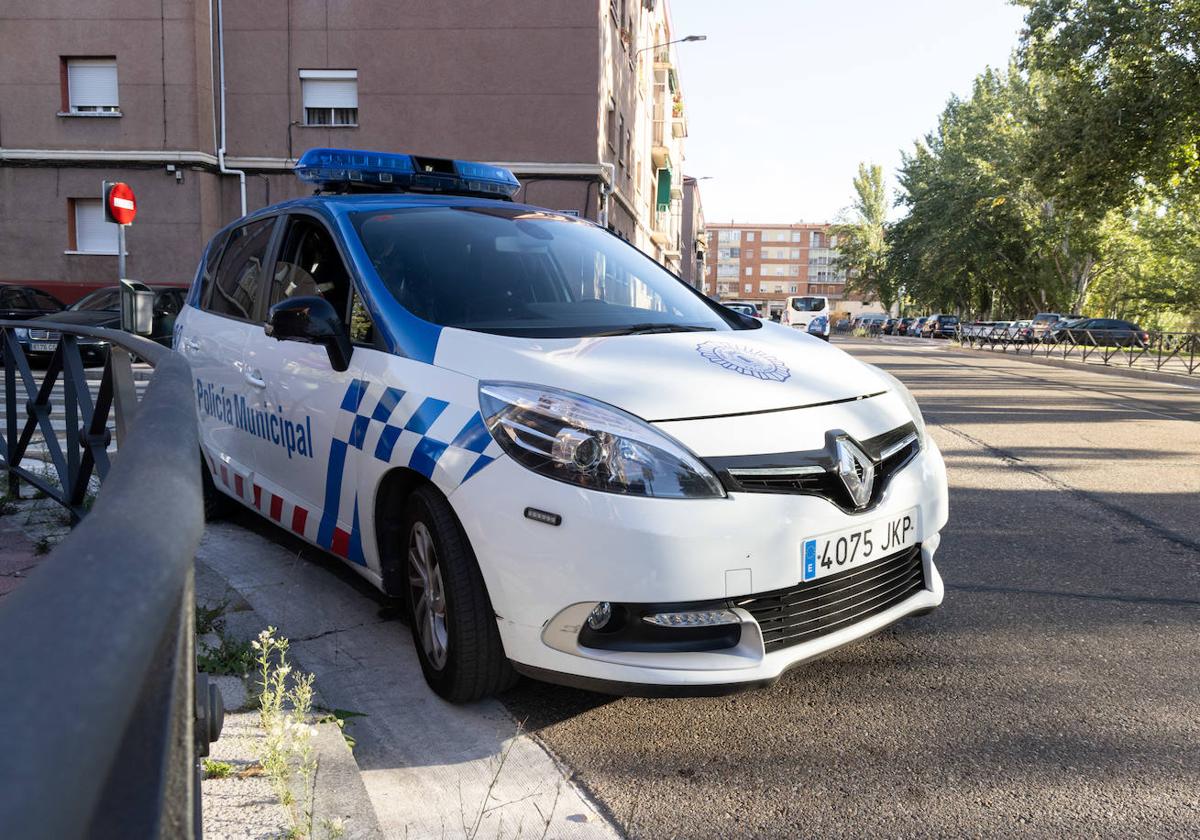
340, 796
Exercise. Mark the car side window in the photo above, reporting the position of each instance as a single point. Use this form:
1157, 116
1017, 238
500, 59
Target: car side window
309, 265
15, 299
44, 302
239, 276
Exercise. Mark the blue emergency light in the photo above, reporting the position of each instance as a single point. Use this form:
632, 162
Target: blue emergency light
354, 170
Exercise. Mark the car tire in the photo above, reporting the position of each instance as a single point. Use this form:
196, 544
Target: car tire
451, 617
216, 504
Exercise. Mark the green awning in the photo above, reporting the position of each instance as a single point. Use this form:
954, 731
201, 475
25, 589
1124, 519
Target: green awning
664, 189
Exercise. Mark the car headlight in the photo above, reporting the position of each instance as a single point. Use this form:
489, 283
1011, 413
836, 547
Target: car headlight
21, 333
578, 440
909, 401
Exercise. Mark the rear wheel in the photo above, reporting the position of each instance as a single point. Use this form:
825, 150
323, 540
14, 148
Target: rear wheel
453, 624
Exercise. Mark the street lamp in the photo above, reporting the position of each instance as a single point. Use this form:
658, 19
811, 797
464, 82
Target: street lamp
685, 40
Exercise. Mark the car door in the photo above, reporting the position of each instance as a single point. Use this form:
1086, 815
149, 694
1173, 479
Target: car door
306, 475
213, 339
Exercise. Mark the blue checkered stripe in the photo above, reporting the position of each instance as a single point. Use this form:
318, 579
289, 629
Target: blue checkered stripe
443, 442
446, 443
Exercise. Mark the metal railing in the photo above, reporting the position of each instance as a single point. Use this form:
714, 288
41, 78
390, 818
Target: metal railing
1166, 352
103, 715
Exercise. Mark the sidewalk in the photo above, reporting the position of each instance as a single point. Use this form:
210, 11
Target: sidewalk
29, 529
431, 769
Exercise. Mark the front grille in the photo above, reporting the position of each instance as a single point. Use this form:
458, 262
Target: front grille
44, 335
817, 608
814, 472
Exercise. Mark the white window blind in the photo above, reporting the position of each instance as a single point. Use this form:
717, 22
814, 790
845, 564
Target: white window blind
330, 96
92, 233
92, 84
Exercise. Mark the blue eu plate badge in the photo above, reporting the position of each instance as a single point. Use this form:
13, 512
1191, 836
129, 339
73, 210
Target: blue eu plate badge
810, 559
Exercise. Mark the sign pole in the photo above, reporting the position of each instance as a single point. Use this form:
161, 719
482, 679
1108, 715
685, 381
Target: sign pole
120, 252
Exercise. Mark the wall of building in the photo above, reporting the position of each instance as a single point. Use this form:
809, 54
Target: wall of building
525, 82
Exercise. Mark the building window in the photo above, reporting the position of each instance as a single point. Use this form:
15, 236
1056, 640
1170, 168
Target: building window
748, 288
628, 149
814, 239
87, 230
330, 97
621, 146
749, 236
795, 236
749, 273
748, 253
793, 288
610, 126
90, 86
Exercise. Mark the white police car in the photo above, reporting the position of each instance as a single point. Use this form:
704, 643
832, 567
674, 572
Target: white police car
568, 462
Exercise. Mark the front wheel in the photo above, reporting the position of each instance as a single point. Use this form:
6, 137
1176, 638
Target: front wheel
453, 623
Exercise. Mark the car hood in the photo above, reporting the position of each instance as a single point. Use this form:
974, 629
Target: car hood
83, 318
672, 376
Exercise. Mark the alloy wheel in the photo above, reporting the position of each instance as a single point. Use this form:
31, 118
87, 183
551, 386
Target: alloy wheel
428, 595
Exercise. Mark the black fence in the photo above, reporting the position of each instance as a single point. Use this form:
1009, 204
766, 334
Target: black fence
1167, 352
103, 716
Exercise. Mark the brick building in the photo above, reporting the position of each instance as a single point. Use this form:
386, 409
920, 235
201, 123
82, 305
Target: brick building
203, 107
766, 263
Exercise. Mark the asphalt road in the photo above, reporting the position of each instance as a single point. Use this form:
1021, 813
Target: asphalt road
1056, 693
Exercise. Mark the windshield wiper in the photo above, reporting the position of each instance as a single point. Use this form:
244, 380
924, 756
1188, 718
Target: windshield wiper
649, 328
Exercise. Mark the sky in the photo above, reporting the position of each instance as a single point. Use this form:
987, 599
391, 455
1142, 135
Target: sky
786, 97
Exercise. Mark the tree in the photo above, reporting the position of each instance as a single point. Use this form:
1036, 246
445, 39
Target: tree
1120, 110
862, 248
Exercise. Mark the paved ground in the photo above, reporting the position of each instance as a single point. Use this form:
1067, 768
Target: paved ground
1054, 694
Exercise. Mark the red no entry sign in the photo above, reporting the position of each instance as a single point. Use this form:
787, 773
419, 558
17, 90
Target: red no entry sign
119, 204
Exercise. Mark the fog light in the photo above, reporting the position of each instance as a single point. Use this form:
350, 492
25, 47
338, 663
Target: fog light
599, 616
692, 618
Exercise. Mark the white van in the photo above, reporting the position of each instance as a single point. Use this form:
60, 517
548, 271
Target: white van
802, 310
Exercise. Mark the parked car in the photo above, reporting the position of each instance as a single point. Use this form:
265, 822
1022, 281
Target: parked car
445, 389
1103, 332
744, 308
1056, 331
939, 326
918, 327
102, 308
20, 303
905, 327
889, 326
1019, 330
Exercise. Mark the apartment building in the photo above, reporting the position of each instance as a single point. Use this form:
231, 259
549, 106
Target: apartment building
766, 263
694, 237
203, 107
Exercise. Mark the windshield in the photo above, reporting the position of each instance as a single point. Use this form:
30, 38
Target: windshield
101, 300
520, 272
808, 304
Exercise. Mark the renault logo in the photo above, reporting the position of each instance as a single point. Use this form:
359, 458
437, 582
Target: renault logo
856, 471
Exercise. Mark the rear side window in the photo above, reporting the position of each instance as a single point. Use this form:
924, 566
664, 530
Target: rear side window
44, 301
235, 287
13, 298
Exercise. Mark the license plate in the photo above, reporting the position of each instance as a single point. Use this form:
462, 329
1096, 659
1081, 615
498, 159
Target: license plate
43, 346
838, 551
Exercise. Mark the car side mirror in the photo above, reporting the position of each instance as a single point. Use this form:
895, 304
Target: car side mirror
311, 320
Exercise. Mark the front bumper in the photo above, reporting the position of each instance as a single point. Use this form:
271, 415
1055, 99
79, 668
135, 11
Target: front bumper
543, 580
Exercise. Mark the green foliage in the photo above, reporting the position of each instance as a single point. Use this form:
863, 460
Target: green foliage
1069, 181
230, 657
862, 248
1121, 110
217, 769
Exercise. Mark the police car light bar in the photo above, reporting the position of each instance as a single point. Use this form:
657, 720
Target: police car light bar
354, 170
